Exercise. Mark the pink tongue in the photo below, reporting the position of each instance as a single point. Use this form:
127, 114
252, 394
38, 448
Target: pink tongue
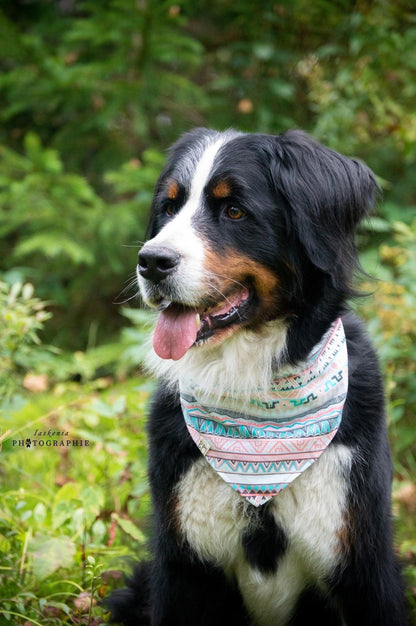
175, 333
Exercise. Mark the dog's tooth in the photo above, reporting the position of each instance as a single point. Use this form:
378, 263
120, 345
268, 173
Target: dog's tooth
198, 320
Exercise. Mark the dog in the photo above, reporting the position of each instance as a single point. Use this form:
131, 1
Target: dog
269, 466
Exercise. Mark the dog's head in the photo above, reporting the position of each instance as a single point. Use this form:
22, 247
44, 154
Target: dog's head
246, 229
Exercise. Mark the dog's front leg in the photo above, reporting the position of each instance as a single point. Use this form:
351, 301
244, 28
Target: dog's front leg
184, 590
186, 593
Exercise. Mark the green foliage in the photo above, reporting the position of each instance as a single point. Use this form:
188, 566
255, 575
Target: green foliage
135, 339
390, 314
69, 512
353, 80
107, 86
92, 94
22, 316
67, 238
391, 319
49, 213
86, 76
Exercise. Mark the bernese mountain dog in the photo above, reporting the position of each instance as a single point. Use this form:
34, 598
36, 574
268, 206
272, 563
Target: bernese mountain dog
269, 466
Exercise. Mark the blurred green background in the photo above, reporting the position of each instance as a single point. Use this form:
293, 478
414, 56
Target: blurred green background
92, 92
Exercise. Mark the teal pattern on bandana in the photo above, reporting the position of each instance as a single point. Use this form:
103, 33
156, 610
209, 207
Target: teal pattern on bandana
260, 448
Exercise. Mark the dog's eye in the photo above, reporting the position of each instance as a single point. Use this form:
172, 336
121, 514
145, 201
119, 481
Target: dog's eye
170, 209
234, 213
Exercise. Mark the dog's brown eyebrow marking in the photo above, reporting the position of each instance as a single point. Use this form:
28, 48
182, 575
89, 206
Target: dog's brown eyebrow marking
221, 190
173, 190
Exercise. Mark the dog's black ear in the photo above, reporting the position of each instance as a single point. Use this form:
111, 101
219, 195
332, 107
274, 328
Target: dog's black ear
327, 193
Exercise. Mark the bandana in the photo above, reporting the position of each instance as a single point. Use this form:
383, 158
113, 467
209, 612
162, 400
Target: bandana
260, 446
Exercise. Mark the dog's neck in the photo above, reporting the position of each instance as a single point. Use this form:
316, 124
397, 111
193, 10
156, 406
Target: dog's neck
259, 446
243, 362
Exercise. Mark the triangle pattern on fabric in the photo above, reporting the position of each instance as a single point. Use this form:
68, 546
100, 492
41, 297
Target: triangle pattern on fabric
260, 447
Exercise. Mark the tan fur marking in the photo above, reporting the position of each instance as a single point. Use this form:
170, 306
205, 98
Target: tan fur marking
232, 267
173, 190
345, 533
221, 190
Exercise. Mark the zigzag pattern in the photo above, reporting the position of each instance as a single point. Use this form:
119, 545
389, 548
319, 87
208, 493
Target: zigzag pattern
251, 467
313, 428
261, 452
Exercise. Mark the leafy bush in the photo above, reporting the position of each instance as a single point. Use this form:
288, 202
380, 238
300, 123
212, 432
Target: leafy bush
22, 316
391, 319
92, 94
70, 511
65, 523
84, 75
108, 87
70, 242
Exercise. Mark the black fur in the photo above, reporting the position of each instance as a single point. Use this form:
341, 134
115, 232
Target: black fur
265, 542
302, 202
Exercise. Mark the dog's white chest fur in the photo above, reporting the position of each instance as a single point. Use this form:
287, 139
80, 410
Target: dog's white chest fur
311, 512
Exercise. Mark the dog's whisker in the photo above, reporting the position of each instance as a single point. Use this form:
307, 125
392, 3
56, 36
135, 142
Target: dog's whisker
211, 273
135, 244
131, 284
133, 297
226, 299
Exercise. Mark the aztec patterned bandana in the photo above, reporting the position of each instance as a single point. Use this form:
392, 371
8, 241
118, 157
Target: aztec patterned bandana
263, 447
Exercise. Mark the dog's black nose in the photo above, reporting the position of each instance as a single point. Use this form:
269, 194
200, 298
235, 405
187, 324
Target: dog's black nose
156, 263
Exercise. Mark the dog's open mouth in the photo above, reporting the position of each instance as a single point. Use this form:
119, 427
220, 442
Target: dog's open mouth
179, 327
